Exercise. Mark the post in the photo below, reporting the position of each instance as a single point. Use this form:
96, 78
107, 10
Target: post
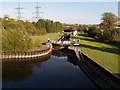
52, 41
74, 41
78, 41
48, 40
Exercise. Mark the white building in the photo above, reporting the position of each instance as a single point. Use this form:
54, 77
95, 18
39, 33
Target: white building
73, 32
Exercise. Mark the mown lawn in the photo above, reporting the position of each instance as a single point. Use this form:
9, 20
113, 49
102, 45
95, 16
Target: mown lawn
39, 48
42, 38
105, 54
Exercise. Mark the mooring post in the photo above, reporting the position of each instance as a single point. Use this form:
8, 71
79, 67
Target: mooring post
74, 41
78, 41
48, 40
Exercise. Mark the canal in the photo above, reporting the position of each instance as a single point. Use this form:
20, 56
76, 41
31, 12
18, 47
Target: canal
57, 70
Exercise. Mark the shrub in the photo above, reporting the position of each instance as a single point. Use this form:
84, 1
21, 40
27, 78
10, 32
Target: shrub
92, 31
15, 40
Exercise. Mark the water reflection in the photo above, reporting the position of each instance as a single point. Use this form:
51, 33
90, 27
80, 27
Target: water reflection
20, 70
64, 53
47, 72
60, 54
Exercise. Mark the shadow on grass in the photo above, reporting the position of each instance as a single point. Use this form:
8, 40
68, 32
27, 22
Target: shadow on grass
104, 49
83, 35
87, 39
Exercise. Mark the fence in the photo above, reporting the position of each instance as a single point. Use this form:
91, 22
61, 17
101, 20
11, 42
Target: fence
27, 54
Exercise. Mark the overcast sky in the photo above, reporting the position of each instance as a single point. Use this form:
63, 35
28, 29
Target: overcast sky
65, 12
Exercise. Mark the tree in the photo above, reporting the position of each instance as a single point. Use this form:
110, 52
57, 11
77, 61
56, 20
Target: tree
92, 31
15, 40
30, 28
43, 31
108, 28
109, 21
15, 36
85, 29
49, 25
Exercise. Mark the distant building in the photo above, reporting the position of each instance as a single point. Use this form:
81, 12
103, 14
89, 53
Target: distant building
73, 32
6, 17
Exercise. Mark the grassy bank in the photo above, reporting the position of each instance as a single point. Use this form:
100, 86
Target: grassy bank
105, 54
44, 38
37, 40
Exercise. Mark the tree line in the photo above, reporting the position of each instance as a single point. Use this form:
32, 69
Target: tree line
16, 35
48, 26
107, 31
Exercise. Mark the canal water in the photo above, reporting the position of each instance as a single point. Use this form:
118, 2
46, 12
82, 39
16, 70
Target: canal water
56, 70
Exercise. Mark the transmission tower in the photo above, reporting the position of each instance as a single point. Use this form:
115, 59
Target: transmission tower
37, 12
19, 12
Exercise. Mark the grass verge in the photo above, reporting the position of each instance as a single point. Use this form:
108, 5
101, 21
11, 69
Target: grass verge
105, 54
37, 40
44, 38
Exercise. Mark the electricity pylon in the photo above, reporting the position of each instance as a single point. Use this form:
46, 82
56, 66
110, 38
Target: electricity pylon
19, 12
37, 12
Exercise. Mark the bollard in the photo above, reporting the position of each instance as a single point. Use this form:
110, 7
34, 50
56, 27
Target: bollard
48, 40
78, 41
52, 41
74, 41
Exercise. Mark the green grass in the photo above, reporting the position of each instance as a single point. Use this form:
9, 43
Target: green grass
42, 38
39, 48
105, 54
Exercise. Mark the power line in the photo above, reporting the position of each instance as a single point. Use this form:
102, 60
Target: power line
37, 12
19, 12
